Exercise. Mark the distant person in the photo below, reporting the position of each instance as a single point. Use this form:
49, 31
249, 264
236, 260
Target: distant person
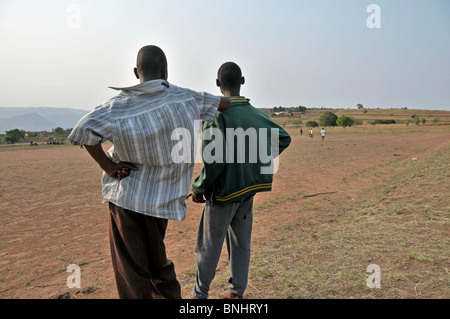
301, 132
142, 183
228, 187
322, 133
312, 133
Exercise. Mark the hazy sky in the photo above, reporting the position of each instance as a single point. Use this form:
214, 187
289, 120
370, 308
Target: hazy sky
313, 53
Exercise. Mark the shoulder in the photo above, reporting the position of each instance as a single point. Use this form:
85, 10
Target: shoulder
104, 110
182, 91
108, 106
181, 94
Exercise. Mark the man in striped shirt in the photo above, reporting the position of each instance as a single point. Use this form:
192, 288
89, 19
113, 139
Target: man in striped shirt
142, 183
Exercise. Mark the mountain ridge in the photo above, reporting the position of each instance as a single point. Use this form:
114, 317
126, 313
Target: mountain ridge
38, 118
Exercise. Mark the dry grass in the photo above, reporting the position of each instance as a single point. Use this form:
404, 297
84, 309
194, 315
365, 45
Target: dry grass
436, 121
392, 225
335, 208
372, 114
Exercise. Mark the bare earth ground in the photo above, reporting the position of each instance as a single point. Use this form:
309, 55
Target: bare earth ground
314, 235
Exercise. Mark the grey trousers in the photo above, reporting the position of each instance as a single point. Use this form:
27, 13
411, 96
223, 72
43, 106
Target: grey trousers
232, 222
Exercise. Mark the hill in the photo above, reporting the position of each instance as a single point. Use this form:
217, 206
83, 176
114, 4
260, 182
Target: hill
38, 118
27, 122
366, 116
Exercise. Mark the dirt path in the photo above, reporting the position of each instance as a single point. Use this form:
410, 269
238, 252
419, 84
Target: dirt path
51, 213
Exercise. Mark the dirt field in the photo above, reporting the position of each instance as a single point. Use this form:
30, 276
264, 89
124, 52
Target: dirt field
336, 207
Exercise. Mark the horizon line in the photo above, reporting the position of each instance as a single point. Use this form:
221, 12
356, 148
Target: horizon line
266, 107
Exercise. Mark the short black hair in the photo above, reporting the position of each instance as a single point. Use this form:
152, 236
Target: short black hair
230, 75
151, 60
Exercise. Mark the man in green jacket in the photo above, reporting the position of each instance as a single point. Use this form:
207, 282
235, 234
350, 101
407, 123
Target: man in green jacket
238, 149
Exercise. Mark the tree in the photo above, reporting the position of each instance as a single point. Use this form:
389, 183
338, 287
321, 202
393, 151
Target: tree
328, 119
344, 121
58, 130
14, 136
312, 124
415, 119
359, 106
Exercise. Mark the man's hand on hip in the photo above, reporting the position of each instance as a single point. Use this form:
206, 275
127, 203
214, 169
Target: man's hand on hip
196, 198
120, 170
114, 170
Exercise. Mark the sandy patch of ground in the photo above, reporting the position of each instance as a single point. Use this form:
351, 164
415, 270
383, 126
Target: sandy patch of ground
51, 213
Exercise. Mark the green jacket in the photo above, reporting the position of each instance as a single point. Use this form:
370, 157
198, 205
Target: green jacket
228, 176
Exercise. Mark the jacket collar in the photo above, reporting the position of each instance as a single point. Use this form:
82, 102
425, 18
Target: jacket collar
239, 99
149, 87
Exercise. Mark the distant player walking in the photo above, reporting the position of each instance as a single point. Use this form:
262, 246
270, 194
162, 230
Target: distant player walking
322, 132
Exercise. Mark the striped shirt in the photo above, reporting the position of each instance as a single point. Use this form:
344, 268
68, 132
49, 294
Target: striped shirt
140, 122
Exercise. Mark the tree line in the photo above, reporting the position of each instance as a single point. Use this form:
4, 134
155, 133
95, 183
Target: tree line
328, 118
17, 135
289, 111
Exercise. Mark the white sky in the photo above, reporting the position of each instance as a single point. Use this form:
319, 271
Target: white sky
313, 53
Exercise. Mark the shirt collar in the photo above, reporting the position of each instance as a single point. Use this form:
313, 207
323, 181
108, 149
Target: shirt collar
153, 86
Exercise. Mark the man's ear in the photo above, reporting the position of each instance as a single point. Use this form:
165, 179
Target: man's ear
136, 73
218, 82
242, 80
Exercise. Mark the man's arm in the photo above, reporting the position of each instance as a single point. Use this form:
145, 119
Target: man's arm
114, 170
210, 171
284, 140
204, 181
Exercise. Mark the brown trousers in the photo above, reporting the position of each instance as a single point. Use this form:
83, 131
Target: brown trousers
138, 253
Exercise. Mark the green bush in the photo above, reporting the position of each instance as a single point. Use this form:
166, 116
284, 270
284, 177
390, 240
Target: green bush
383, 122
14, 136
312, 124
328, 119
344, 121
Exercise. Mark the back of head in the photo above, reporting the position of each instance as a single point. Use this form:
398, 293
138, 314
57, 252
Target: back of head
151, 61
230, 76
